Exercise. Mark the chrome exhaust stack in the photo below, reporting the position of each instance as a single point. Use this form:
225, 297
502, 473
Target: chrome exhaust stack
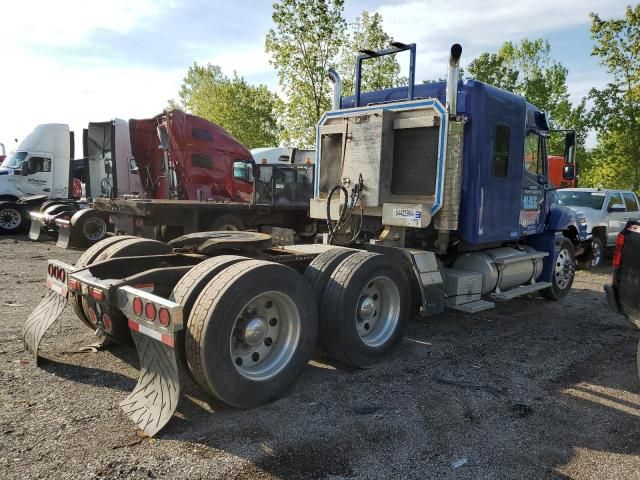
336, 81
452, 78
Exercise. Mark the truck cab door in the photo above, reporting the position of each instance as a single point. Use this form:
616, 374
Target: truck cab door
533, 208
37, 176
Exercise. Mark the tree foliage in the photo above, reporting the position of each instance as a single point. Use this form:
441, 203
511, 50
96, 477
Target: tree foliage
615, 161
306, 38
366, 32
247, 112
527, 69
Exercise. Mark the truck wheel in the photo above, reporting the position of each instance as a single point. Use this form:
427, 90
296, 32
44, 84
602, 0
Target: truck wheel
131, 247
365, 309
227, 223
88, 227
13, 218
592, 259
320, 269
251, 332
189, 287
564, 270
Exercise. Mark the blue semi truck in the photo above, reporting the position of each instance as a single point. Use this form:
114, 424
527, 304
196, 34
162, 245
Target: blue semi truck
434, 196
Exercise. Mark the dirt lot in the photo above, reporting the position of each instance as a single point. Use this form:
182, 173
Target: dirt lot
532, 389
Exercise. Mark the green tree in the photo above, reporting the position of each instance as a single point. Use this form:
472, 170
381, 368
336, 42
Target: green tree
366, 32
306, 38
526, 68
247, 112
616, 111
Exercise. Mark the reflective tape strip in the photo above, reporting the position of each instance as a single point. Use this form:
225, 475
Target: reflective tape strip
149, 332
56, 288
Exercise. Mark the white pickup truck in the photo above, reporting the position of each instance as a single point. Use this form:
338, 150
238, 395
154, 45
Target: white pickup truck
605, 212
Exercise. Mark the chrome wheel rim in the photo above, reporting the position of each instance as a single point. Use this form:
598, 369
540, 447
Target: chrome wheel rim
378, 311
564, 269
10, 218
265, 336
94, 229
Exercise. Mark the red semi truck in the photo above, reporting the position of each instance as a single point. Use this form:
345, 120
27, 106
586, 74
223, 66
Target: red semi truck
197, 177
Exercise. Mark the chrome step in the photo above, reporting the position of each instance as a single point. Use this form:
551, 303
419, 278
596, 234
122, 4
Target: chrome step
519, 291
519, 258
474, 307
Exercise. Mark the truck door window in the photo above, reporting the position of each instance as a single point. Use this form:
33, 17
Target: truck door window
501, 151
630, 202
614, 199
39, 164
533, 160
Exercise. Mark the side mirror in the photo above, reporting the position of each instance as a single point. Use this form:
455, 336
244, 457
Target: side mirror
249, 175
24, 168
569, 171
570, 147
616, 208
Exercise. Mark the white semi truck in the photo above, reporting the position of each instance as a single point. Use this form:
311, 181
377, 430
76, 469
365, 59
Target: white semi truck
42, 180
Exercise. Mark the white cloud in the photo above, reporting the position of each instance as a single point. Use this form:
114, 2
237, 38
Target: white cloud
482, 26
35, 22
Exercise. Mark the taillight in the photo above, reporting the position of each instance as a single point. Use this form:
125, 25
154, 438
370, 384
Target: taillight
96, 294
62, 276
150, 311
137, 306
164, 317
617, 253
50, 270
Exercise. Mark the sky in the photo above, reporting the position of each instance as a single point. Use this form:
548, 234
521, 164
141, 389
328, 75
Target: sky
78, 61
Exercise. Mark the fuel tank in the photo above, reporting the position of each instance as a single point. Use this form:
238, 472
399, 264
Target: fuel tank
502, 268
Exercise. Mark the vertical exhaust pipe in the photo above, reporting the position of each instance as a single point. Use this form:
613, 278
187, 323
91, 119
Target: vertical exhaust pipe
336, 82
452, 78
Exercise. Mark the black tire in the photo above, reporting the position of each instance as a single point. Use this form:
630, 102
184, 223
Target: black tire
87, 258
592, 258
128, 248
320, 269
14, 218
564, 272
88, 226
341, 305
189, 287
212, 323
227, 223
638, 359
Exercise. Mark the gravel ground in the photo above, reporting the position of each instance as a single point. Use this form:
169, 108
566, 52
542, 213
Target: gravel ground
532, 389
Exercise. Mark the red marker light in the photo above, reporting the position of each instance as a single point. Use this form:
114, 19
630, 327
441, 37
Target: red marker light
137, 306
150, 311
164, 317
97, 295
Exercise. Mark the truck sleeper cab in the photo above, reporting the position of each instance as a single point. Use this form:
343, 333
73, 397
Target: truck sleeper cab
430, 203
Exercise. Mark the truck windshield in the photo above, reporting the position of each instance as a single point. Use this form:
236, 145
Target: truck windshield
581, 199
15, 160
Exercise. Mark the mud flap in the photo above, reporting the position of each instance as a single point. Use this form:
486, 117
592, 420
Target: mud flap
154, 322
35, 230
41, 319
155, 398
64, 234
